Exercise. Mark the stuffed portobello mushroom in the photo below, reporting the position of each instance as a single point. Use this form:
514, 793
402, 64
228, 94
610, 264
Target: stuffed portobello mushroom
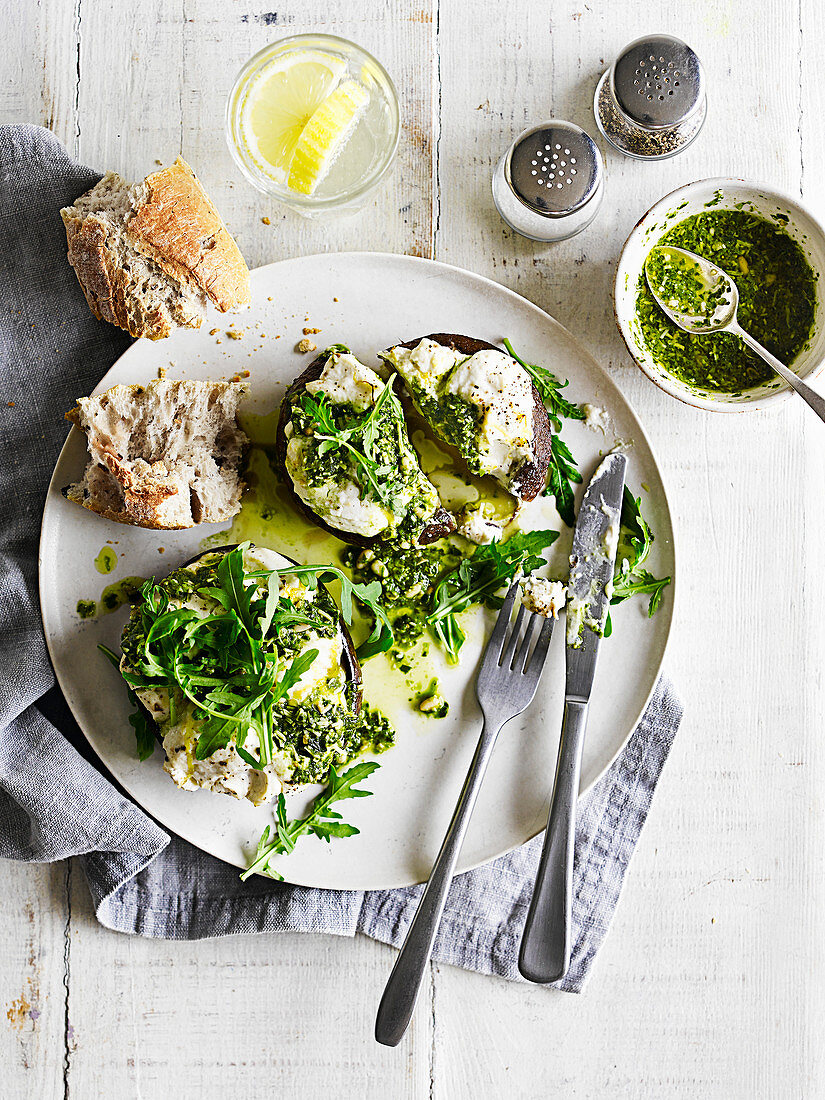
342, 447
248, 673
479, 400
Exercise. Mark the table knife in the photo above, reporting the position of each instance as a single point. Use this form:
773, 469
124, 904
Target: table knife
545, 944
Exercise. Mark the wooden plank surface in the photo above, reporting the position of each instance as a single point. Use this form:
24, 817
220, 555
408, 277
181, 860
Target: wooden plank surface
711, 981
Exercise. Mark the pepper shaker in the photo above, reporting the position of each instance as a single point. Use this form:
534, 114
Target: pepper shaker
651, 102
548, 185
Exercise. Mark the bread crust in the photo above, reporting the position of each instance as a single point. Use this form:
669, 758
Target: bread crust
105, 285
440, 525
179, 227
532, 476
143, 494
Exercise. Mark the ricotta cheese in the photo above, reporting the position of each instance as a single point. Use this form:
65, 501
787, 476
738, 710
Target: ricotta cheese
543, 596
424, 364
596, 418
493, 384
345, 381
339, 503
503, 393
477, 528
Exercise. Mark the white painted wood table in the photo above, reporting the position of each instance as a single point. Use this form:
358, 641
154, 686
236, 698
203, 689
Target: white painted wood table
712, 981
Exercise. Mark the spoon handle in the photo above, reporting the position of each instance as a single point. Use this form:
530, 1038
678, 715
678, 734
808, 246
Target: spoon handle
815, 400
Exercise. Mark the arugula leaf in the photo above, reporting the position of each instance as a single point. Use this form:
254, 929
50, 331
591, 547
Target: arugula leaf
293, 674
144, 734
369, 595
273, 590
635, 542
139, 721
562, 472
561, 475
238, 597
359, 437
321, 821
479, 578
549, 386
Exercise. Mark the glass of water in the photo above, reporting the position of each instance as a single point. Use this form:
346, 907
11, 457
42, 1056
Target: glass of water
313, 121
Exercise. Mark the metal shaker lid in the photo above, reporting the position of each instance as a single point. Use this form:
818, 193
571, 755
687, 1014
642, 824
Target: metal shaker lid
658, 81
554, 169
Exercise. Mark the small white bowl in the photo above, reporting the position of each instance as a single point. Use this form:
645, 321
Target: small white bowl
693, 198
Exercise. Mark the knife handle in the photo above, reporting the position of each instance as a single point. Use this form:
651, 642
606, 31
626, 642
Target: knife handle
546, 942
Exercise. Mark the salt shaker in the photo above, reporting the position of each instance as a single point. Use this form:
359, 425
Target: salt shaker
549, 183
651, 102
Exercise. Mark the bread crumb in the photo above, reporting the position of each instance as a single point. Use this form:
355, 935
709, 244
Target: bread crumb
219, 341
305, 345
266, 221
162, 370
235, 334
158, 161
269, 299
335, 299
278, 337
310, 331
161, 549
10, 404
214, 331
245, 374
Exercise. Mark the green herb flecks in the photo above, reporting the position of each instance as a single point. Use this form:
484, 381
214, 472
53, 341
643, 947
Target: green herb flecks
562, 473
321, 821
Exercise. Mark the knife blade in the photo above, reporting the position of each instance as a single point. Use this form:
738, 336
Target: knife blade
592, 561
546, 942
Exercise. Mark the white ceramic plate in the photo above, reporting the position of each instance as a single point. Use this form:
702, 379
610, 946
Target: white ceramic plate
368, 301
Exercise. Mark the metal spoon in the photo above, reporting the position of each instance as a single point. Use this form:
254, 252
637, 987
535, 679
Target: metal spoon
723, 296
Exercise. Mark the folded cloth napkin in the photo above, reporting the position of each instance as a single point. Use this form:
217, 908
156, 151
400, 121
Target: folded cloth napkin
55, 801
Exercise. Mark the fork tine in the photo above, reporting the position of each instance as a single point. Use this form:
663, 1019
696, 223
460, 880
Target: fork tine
493, 648
522, 654
509, 649
535, 662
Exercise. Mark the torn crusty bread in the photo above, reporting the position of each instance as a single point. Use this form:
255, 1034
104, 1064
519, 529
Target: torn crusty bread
148, 255
164, 456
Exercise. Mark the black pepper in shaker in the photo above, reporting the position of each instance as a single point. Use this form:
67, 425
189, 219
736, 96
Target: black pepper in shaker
651, 102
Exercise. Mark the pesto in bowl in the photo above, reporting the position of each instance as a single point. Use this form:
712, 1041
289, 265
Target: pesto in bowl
777, 301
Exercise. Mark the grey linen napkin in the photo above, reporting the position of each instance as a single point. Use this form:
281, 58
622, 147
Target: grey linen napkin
56, 801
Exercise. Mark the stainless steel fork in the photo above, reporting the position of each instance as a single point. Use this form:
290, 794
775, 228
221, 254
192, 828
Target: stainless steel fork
507, 681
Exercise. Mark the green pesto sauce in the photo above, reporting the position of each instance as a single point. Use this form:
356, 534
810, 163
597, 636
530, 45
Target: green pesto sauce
777, 302
453, 420
112, 597
678, 281
106, 560
116, 595
407, 577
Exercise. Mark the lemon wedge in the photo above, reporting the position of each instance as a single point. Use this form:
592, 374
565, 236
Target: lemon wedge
325, 134
281, 101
